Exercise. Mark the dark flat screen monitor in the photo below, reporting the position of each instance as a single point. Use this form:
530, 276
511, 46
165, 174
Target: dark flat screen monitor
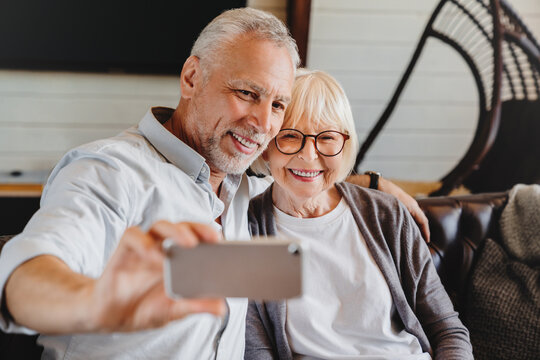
135, 36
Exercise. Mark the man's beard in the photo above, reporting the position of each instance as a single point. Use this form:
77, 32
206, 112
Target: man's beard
235, 163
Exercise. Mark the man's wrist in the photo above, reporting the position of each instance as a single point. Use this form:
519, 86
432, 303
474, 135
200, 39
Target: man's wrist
374, 179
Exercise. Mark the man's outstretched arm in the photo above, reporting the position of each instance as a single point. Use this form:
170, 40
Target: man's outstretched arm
44, 294
410, 203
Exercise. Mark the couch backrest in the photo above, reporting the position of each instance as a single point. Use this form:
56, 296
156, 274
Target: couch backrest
459, 226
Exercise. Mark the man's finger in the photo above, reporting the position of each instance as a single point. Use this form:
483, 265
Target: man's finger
185, 233
425, 230
205, 233
144, 245
185, 307
178, 232
422, 222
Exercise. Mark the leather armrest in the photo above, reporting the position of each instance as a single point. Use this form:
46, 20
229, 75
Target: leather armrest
459, 226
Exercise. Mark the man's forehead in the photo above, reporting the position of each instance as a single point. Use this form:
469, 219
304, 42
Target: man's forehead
262, 62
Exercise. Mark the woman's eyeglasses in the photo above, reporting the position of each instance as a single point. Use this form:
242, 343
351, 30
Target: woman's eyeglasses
327, 143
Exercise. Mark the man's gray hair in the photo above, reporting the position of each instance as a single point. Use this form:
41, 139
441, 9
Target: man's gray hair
232, 23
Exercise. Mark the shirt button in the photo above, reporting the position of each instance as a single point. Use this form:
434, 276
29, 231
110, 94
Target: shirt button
192, 177
203, 170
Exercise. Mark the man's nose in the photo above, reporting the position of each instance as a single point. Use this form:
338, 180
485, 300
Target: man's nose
261, 117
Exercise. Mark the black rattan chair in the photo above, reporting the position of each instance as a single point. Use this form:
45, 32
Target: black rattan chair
504, 59
514, 156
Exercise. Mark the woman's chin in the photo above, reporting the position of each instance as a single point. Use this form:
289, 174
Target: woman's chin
302, 191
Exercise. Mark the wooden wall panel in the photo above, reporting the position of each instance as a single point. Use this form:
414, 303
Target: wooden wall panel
364, 43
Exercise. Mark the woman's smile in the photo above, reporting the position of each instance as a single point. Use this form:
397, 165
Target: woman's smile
305, 174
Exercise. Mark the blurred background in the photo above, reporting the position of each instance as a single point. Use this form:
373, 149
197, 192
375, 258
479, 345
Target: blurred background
46, 110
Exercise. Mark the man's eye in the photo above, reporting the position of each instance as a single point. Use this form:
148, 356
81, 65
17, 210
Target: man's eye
278, 106
246, 93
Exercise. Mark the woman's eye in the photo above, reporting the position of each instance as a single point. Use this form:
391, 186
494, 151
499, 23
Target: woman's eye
289, 137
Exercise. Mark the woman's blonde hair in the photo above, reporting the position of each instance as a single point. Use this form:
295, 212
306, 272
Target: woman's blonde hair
319, 98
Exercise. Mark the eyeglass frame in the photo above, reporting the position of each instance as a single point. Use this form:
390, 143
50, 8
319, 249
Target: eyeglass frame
304, 136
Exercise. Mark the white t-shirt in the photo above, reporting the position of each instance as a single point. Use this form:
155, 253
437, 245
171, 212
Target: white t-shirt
143, 175
347, 311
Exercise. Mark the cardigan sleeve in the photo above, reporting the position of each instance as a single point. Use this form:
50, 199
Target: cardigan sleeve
447, 335
260, 338
258, 343
404, 258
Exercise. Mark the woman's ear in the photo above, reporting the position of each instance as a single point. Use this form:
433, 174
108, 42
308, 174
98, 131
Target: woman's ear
191, 77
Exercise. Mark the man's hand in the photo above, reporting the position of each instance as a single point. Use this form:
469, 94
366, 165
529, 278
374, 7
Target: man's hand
130, 294
410, 203
47, 296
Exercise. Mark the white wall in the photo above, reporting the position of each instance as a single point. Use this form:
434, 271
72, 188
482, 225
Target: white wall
276, 7
364, 43
367, 44
43, 114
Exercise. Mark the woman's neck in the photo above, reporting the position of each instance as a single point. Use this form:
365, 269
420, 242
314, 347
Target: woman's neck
311, 207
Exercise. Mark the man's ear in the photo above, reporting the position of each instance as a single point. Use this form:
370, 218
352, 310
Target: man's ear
191, 77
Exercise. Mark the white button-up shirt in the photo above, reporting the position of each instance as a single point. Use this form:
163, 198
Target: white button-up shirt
142, 175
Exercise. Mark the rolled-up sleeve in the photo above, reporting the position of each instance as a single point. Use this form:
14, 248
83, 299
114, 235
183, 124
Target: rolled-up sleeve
82, 216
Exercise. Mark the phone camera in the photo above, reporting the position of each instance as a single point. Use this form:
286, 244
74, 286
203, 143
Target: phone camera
294, 249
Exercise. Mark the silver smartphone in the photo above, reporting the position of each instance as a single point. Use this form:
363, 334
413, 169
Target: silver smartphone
260, 269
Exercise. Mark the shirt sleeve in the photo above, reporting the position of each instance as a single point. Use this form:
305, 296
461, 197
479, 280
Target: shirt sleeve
81, 218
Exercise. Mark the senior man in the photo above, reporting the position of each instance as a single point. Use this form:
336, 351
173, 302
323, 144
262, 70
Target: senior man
86, 272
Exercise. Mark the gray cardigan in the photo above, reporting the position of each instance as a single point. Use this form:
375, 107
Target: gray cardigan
395, 243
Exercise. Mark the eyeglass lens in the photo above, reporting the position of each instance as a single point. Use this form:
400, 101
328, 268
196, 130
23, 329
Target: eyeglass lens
329, 143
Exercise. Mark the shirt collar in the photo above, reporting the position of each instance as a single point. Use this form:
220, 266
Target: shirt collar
173, 149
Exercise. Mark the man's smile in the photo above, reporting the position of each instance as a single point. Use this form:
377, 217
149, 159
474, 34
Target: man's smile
244, 141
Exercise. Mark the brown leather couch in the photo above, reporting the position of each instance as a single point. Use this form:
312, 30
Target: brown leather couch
459, 226
496, 294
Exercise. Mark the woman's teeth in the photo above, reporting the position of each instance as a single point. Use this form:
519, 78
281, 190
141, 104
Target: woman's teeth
306, 173
244, 141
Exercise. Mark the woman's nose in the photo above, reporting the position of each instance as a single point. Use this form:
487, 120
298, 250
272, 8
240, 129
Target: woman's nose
309, 151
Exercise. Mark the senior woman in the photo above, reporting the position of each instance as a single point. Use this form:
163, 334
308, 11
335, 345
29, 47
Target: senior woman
371, 290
